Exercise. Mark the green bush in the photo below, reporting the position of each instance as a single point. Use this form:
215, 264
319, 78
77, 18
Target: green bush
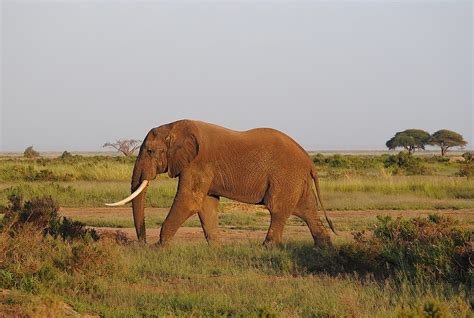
348, 161
435, 159
30, 153
336, 166
405, 164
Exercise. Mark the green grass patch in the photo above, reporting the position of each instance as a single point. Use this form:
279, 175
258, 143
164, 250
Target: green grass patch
233, 279
406, 267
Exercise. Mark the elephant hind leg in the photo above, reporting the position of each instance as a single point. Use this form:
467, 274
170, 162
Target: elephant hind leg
281, 202
277, 224
308, 212
209, 219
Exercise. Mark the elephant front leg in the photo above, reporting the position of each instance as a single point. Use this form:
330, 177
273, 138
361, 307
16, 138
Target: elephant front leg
188, 201
180, 211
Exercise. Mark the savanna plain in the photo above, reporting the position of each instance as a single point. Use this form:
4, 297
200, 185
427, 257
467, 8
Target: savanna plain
403, 249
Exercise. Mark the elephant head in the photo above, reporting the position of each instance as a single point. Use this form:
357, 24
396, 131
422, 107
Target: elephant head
168, 148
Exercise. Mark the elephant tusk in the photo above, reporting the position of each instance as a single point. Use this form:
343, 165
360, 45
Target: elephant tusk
131, 196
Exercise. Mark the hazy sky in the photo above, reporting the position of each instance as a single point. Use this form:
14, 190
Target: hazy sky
333, 75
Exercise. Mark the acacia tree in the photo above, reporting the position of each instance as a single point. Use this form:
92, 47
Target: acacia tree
446, 139
125, 146
410, 139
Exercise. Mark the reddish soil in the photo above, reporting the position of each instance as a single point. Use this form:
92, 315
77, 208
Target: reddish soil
230, 234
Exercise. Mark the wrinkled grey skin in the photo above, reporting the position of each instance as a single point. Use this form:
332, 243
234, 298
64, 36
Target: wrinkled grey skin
259, 166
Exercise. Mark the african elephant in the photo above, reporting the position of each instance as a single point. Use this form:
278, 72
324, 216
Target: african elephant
259, 166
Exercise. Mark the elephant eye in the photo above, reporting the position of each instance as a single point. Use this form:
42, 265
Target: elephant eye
150, 151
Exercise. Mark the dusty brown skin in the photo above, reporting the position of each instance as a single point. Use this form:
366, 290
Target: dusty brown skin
259, 166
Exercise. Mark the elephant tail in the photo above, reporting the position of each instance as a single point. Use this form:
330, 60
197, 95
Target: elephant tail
315, 177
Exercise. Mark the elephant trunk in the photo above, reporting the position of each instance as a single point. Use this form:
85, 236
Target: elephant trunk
138, 203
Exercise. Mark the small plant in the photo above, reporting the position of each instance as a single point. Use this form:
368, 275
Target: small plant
31, 153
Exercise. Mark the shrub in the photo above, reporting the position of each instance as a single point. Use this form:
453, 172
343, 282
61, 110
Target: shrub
41, 213
33, 262
30, 174
424, 248
466, 170
468, 156
420, 249
318, 159
33, 257
337, 161
430, 308
31, 153
66, 155
42, 175
404, 163
348, 161
69, 230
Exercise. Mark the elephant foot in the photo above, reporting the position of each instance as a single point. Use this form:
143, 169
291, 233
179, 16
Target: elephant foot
212, 238
272, 244
214, 242
162, 243
323, 242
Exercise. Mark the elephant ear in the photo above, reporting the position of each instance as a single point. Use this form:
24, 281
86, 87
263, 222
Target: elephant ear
183, 147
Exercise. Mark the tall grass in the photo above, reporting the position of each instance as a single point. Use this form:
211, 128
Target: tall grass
423, 186
99, 168
105, 168
354, 193
91, 194
348, 183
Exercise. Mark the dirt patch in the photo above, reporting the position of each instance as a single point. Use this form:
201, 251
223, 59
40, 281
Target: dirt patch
403, 213
229, 233
71, 212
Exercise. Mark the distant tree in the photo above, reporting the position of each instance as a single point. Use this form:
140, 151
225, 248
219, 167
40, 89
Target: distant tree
446, 139
410, 139
125, 146
31, 153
